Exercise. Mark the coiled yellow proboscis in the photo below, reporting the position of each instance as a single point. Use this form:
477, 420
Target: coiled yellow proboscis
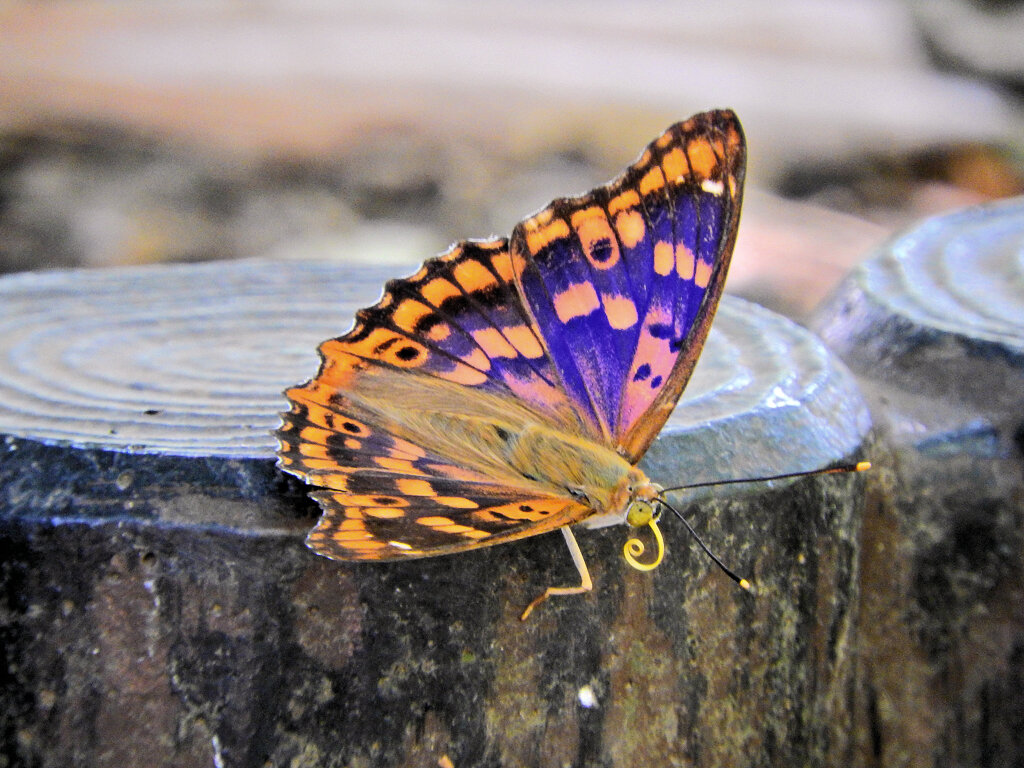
633, 548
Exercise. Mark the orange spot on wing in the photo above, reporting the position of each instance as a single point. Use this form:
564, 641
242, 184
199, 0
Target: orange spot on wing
418, 276
631, 227
524, 340
474, 533
397, 465
365, 500
473, 276
439, 289
702, 157
314, 451
703, 274
675, 165
384, 513
539, 236
733, 137
351, 536
620, 310
494, 343
456, 502
464, 374
408, 313
652, 180
350, 523
460, 530
478, 359
435, 521
594, 231
664, 259
684, 262
335, 481
502, 264
315, 435
365, 546
410, 487
578, 300
626, 200
410, 449
439, 332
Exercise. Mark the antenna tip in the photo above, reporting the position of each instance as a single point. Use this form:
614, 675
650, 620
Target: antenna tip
862, 466
746, 585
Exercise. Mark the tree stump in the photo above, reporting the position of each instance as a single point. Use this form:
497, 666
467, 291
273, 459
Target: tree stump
160, 608
934, 328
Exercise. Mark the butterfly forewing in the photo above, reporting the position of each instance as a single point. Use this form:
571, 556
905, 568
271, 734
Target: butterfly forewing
453, 339
586, 325
622, 282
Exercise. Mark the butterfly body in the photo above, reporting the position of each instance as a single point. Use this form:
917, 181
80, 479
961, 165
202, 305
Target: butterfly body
510, 386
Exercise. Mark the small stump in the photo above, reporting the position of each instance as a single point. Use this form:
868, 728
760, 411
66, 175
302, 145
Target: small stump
934, 328
159, 607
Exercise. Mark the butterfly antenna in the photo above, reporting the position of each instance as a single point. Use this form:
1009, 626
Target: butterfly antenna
860, 466
725, 569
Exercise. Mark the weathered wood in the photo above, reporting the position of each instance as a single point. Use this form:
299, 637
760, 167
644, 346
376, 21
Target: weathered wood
160, 607
934, 328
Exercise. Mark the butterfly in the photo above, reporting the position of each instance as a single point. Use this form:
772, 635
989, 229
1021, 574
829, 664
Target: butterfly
510, 386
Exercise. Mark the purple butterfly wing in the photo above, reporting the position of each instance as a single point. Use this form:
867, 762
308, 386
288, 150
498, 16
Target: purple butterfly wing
622, 283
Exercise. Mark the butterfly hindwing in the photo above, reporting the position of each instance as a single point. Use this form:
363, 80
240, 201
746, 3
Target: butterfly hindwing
387, 496
401, 525
622, 282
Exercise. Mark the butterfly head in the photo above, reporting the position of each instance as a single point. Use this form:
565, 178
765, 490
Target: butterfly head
636, 501
644, 504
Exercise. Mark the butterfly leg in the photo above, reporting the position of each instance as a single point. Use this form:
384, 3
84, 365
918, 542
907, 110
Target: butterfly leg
585, 583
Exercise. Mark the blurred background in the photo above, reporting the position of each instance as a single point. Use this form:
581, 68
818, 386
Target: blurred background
135, 133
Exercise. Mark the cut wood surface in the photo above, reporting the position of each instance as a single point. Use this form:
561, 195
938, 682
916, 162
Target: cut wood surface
191, 360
